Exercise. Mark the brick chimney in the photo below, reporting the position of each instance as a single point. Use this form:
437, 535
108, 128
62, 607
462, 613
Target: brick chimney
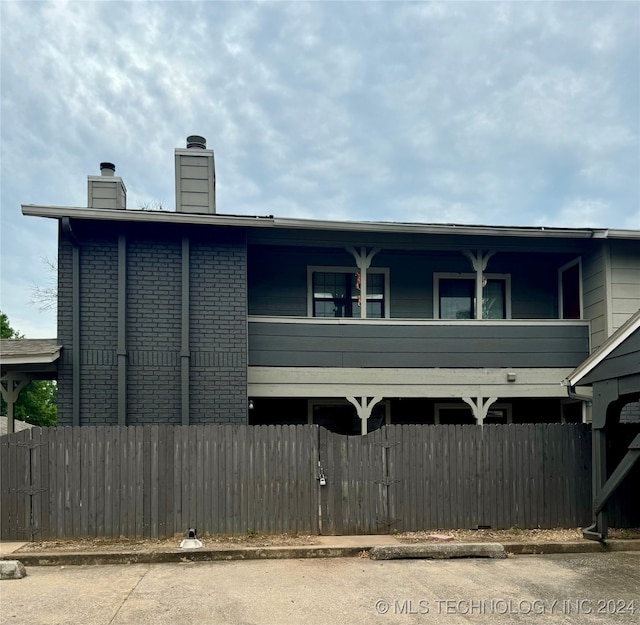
195, 178
106, 190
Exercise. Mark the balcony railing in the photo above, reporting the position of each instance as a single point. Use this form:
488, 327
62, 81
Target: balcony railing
310, 342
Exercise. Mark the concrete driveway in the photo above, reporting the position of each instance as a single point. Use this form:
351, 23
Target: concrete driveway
580, 589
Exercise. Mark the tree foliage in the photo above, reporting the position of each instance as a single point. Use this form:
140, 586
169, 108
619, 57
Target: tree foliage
37, 403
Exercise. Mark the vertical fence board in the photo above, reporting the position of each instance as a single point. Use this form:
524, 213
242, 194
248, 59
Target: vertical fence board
139, 486
170, 528
154, 452
147, 478
40, 467
178, 522
6, 529
537, 492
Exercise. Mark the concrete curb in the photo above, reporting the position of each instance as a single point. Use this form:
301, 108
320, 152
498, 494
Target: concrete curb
584, 546
199, 555
438, 551
419, 550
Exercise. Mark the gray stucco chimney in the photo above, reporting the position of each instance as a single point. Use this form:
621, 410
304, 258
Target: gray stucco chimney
106, 190
195, 177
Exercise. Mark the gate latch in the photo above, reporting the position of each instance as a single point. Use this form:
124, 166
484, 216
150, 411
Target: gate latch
322, 478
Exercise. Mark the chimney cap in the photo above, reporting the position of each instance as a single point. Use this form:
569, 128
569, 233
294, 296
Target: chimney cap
196, 141
107, 169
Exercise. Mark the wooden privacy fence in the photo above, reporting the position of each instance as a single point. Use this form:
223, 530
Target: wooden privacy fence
158, 481
414, 477
155, 481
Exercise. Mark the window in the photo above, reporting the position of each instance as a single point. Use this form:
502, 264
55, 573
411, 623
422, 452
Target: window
336, 293
455, 296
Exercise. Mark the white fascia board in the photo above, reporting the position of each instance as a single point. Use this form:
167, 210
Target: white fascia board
346, 321
432, 383
141, 216
251, 221
622, 234
31, 359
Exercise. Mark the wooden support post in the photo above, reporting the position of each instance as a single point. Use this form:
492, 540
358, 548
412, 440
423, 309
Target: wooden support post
479, 260
364, 406
363, 262
10, 386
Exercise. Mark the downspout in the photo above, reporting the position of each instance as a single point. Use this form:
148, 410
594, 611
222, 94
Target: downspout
573, 394
185, 354
75, 320
122, 329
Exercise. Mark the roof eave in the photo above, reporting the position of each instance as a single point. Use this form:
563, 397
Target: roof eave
141, 216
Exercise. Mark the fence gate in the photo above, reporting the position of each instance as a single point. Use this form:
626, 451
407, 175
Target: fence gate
359, 496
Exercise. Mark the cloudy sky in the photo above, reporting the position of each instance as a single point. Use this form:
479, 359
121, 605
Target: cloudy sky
515, 113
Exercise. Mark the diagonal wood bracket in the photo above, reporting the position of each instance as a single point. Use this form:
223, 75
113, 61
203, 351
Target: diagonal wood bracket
364, 406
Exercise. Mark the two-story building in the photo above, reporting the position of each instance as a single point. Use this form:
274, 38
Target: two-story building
192, 316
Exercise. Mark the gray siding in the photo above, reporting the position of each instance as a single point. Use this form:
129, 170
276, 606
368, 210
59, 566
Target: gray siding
387, 345
625, 281
278, 279
595, 296
622, 361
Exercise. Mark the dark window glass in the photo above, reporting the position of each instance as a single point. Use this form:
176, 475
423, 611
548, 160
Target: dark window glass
494, 300
337, 294
457, 297
571, 293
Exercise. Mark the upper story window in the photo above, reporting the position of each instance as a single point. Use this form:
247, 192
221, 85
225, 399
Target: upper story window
337, 293
455, 296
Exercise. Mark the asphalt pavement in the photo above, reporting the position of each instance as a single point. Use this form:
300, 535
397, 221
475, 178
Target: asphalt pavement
567, 589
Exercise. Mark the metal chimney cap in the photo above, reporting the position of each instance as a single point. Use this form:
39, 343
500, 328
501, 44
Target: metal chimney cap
196, 141
107, 169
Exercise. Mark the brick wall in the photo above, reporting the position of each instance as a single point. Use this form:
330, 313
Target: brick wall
153, 329
218, 318
218, 321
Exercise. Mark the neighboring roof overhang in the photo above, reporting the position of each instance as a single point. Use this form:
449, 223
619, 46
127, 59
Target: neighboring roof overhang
246, 221
15, 352
613, 342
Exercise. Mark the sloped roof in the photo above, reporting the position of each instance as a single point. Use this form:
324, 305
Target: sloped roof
613, 343
29, 351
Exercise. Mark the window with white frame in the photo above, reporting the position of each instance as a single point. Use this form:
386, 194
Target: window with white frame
455, 296
336, 292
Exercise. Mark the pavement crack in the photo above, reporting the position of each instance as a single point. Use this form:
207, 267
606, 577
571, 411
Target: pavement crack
113, 618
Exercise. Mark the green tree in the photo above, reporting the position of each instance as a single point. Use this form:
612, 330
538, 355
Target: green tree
37, 403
